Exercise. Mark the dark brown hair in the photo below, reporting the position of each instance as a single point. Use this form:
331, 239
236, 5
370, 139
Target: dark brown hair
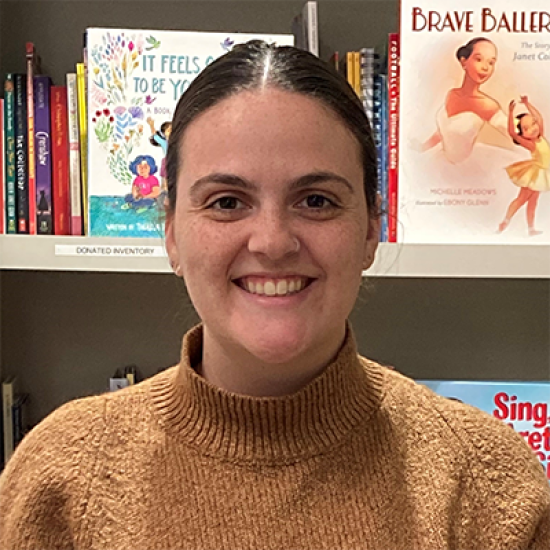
466, 50
256, 65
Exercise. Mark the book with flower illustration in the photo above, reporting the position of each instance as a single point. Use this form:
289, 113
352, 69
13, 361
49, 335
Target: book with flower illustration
474, 157
524, 406
135, 79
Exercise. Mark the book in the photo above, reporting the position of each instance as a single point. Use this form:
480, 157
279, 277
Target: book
43, 154
21, 153
61, 201
9, 155
380, 135
74, 156
524, 406
9, 387
305, 28
83, 139
135, 78
19, 418
394, 70
461, 71
33, 68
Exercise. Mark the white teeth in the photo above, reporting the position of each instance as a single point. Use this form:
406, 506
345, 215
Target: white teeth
282, 288
270, 289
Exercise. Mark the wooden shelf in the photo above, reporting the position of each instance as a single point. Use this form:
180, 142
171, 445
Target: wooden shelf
393, 260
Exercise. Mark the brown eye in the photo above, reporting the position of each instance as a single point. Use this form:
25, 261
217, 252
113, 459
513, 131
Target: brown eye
226, 203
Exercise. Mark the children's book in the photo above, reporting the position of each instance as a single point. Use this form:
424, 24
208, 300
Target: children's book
474, 157
524, 406
135, 79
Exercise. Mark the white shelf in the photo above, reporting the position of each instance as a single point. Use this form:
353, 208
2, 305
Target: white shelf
55, 253
393, 260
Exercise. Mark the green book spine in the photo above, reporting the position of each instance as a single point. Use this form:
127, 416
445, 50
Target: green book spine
9, 143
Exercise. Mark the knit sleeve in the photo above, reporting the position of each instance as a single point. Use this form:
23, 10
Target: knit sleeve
44, 487
506, 499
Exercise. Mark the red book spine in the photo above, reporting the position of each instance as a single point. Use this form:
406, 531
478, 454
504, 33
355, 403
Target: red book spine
393, 134
31, 161
60, 161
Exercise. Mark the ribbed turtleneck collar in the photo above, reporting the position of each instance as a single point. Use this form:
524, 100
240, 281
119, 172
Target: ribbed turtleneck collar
272, 429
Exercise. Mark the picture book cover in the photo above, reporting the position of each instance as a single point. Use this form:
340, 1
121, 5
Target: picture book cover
474, 158
135, 79
524, 406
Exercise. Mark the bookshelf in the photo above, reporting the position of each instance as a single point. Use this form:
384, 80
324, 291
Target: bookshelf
68, 321
54, 253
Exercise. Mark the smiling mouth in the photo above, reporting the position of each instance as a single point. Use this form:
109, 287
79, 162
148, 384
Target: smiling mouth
273, 287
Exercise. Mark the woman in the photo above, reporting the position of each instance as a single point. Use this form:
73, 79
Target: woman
467, 108
272, 432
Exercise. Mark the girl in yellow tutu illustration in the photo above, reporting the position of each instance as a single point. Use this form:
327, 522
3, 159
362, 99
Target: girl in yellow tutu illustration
531, 176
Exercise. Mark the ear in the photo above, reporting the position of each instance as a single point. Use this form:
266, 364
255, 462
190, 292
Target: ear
373, 236
170, 241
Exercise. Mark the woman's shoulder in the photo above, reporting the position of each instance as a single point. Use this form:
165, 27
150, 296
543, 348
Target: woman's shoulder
486, 443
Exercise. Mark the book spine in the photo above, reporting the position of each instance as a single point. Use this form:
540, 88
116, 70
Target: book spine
21, 153
9, 157
43, 152
350, 73
7, 417
377, 132
2, 171
74, 155
393, 129
60, 161
384, 167
310, 18
357, 74
367, 75
31, 163
83, 134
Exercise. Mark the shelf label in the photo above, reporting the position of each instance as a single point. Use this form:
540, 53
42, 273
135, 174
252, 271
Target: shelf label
114, 251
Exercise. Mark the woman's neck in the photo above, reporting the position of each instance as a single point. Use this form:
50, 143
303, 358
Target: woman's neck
233, 369
470, 88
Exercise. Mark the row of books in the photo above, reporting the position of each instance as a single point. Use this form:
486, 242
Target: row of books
43, 128
445, 111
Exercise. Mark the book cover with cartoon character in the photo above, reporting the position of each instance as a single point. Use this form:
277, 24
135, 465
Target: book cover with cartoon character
524, 406
474, 158
135, 79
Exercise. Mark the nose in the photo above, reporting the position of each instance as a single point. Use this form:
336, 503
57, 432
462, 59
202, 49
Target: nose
272, 236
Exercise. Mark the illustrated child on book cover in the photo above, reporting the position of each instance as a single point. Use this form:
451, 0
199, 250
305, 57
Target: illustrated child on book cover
531, 176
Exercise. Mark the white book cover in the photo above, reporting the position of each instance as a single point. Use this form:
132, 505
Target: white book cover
474, 157
135, 79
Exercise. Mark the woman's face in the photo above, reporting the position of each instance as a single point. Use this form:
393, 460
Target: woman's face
480, 66
271, 227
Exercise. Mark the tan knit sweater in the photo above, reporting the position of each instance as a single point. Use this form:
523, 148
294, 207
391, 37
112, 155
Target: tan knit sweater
361, 458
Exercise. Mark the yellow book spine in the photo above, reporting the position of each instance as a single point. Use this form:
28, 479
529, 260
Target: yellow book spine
83, 130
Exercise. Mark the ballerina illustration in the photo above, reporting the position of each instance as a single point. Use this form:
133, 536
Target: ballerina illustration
467, 108
532, 176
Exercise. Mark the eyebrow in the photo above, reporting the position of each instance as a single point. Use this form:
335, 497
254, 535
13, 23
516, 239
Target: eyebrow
242, 183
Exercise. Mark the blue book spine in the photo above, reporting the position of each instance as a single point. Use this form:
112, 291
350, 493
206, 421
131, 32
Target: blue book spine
377, 136
43, 154
9, 141
384, 155
21, 164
